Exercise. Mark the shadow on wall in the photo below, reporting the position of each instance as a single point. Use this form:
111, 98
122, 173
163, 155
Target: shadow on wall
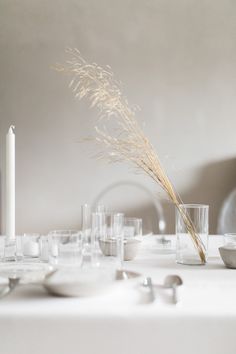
213, 184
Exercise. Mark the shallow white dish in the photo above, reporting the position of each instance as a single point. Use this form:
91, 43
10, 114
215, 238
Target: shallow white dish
27, 272
86, 282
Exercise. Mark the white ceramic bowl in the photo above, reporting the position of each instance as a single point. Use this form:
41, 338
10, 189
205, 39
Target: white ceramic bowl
131, 247
228, 256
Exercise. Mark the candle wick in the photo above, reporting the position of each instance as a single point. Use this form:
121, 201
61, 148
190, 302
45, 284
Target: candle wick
12, 128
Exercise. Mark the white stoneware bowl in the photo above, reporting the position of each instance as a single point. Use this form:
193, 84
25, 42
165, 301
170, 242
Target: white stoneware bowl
131, 247
228, 256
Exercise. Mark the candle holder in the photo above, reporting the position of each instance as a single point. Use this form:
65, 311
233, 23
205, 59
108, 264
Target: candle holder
30, 247
10, 249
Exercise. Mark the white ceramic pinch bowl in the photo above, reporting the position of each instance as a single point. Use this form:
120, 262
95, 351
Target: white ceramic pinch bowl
228, 256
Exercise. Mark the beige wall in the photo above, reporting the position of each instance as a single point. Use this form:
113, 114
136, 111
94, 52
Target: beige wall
178, 62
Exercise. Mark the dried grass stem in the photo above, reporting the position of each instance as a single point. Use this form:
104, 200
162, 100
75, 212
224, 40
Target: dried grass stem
120, 137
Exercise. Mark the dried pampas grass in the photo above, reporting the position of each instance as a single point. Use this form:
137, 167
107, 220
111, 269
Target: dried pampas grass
119, 134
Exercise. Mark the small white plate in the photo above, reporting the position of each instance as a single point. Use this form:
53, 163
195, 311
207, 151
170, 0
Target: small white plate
27, 272
86, 282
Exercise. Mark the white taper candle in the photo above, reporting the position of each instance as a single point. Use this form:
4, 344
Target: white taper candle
10, 183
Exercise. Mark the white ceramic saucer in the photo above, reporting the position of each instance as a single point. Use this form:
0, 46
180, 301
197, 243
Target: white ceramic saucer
26, 272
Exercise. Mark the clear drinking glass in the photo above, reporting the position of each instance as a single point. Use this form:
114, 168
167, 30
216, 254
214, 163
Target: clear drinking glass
107, 238
187, 251
44, 248
132, 227
100, 208
230, 240
86, 217
65, 248
8, 249
11, 248
30, 246
132, 237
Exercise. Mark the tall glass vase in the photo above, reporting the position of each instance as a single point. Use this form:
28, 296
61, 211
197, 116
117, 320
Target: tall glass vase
192, 234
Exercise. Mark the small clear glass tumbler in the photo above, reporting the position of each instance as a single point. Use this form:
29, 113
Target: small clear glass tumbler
192, 247
230, 240
30, 247
65, 248
132, 227
132, 237
11, 248
44, 248
86, 217
107, 239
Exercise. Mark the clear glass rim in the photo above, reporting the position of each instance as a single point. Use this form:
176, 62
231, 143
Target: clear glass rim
77, 236
132, 218
114, 213
192, 205
63, 232
108, 213
230, 234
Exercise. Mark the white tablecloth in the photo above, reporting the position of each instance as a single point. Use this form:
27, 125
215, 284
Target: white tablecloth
204, 322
